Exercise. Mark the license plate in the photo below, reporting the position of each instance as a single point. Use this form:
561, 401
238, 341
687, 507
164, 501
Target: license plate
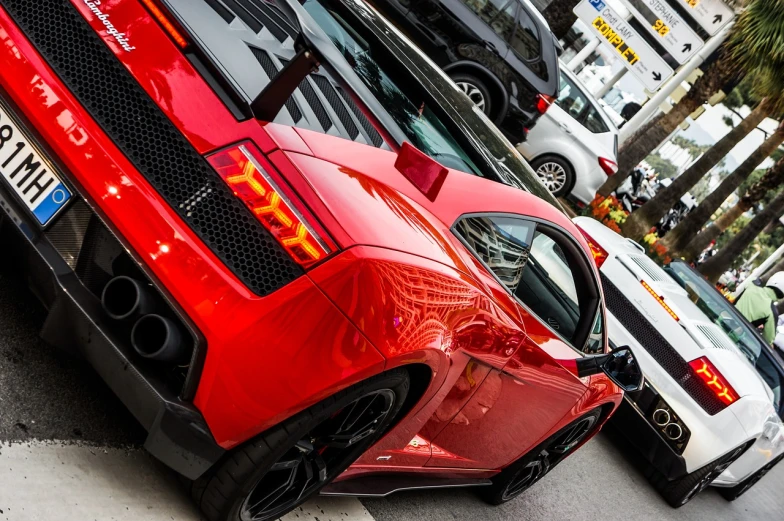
27, 172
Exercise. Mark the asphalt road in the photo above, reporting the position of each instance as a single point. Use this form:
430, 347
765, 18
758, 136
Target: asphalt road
69, 450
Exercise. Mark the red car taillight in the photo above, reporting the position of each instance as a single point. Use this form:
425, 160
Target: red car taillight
609, 167
273, 206
543, 102
599, 254
716, 382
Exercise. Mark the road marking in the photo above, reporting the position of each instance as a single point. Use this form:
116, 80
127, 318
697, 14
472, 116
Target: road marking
69, 482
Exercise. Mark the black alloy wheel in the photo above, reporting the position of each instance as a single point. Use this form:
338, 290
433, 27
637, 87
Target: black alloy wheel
276, 472
678, 492
525, 472
733, 493
714, 473
307, 466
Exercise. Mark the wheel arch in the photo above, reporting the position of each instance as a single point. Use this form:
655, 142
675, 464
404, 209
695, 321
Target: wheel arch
493, 83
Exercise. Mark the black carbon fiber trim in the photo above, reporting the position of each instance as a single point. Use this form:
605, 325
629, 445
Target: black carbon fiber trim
661, 350
152, 143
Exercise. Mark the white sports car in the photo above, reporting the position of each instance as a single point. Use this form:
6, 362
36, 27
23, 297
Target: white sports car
705, 415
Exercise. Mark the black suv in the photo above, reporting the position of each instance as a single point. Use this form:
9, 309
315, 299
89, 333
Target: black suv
499, 52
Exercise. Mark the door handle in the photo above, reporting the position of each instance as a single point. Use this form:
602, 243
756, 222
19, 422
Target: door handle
566, 128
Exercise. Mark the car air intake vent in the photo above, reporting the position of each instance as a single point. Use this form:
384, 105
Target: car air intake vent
335, 101
649, 267
716, 337
257, 15
658, 347
155, 147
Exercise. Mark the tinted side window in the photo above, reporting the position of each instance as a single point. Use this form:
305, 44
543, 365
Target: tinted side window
548, 287
525, 41
570, 99
498, 14
594, 122
502, 243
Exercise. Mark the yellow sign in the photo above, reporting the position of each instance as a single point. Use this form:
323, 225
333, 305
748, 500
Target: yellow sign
614, 39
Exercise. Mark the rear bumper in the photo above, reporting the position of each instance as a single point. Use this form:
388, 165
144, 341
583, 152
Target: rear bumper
631, 423
177, 433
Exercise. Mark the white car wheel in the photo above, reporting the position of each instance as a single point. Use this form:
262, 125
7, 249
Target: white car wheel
555, 174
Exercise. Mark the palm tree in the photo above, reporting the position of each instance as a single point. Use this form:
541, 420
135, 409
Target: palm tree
779, 266
719, 263
560, 16
770, 181
640, 222
756, 42
682, 235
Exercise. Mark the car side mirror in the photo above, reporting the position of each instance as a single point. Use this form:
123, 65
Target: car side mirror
619, 364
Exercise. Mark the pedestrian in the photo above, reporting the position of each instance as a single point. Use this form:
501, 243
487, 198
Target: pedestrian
758, 304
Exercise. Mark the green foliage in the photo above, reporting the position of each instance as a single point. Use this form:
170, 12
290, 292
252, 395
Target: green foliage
757, 40
662, 166
689, 144
765, 243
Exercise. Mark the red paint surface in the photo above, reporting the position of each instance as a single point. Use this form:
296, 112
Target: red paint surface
403, 290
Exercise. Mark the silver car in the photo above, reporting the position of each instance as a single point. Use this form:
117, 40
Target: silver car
574, 146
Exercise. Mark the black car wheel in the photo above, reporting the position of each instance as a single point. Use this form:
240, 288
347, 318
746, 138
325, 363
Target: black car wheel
475, 90
733, 493
522, 474
280, 469
556, 174
680, 491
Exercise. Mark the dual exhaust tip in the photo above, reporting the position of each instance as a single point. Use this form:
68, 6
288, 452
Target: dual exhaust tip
663, 419
152, 336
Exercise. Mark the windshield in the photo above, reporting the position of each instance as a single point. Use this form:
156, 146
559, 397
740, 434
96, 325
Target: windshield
411, 113
716, 307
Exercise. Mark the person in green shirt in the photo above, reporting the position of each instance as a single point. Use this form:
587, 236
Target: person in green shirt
758, 304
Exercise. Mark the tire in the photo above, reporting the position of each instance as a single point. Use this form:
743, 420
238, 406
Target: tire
680, 491
556, 174
476, 90
535, 464
299, 456
733, 493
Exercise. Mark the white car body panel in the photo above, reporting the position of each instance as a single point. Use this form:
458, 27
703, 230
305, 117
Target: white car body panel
752, 417
558, 133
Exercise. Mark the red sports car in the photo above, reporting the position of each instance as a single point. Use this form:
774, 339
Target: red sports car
217, 203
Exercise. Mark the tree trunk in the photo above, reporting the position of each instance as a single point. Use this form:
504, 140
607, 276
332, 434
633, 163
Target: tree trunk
638, 224
721, 262
712, 232
680, 238
560, 16
652, 133
779, 266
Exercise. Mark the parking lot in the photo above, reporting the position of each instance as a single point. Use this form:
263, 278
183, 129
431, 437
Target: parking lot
71, 450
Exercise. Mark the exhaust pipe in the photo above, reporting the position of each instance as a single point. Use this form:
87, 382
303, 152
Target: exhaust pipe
661, 417
673, 431
124, 298
157, 338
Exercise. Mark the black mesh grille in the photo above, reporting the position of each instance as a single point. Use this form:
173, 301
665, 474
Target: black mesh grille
371, 131
334, 100
269, 67
152, 143
661, 350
